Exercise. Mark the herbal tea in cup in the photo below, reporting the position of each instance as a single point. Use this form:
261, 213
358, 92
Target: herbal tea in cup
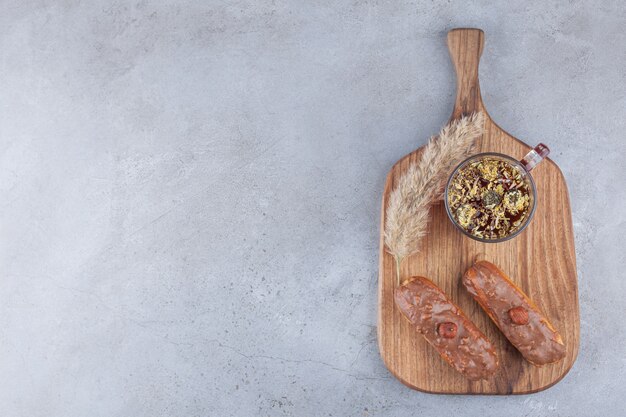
491, 197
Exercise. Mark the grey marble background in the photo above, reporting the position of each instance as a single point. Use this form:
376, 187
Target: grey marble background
190, 196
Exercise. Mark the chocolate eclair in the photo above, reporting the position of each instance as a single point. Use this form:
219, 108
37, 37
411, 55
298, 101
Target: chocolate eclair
446, 328
514, 313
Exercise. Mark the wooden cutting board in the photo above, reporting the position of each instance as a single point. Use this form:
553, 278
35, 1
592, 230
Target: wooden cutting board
541, 260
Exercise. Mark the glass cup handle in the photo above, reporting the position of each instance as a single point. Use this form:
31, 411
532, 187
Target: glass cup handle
535, 156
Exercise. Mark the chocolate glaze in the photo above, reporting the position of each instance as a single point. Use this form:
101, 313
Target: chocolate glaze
426, 307
536, 340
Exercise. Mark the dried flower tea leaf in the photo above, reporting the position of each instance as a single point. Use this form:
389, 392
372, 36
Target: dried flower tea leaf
488, 169
490, 199
465, 214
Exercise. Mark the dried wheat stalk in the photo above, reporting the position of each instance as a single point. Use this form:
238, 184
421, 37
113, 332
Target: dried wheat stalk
422, 185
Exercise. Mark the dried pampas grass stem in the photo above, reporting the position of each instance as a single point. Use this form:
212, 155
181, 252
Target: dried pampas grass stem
422, 185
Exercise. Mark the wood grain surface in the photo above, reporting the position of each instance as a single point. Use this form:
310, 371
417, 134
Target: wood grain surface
541, 260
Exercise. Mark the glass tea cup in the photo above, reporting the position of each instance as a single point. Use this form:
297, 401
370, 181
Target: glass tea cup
491, 197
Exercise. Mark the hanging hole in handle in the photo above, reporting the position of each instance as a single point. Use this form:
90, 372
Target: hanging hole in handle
535, 156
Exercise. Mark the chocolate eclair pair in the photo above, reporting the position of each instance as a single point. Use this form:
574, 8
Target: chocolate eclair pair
459, 341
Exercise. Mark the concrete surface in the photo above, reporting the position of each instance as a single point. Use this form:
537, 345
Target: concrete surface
190, 197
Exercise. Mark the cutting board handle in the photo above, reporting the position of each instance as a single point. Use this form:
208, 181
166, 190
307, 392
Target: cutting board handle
466, 47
